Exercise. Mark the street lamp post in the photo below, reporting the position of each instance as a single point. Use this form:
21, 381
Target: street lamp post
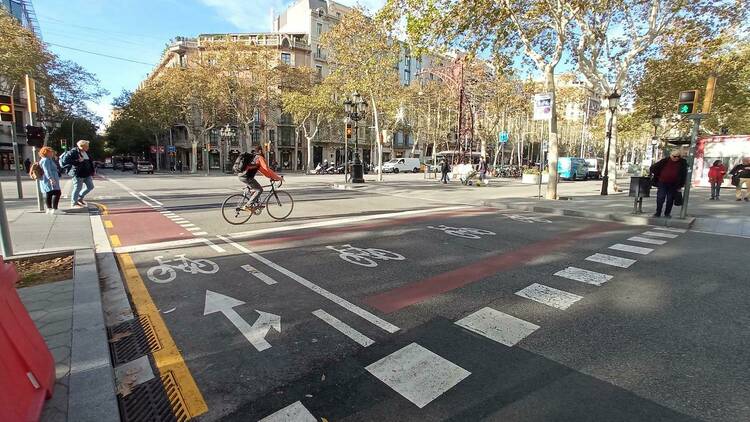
355, 109
656, 122
614, 101
227, 133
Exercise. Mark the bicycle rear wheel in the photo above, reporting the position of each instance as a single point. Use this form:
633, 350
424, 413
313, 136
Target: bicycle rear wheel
279, 204
233, 209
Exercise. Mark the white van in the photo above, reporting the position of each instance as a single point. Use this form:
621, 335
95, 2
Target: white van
401, 165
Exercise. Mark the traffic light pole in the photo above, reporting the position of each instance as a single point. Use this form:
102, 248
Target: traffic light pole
696, 118
6, 246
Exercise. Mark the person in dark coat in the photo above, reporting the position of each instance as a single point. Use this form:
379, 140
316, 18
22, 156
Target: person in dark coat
444, 170
669, 175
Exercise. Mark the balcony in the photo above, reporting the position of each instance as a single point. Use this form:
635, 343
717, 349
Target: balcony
318, 55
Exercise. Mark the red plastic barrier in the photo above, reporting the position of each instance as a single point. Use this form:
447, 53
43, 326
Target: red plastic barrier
27, 369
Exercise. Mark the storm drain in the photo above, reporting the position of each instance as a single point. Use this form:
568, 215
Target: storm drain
158, 400
133, 339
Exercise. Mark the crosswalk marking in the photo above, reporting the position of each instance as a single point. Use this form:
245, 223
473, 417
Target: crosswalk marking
186, 225
295, 412
418, 374
647, 240
343, 328
193, 229
200, 233
549, 296
495, 325
633, 249
612, 260
660, 234
670, 229
259, 275
584, 276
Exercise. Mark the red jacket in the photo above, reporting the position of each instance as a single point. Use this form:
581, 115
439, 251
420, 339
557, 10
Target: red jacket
716, 173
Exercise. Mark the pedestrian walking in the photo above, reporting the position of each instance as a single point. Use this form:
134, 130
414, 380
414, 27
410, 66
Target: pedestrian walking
445, 168
50, 182
716, 178
741, 177
78, 164
27, 165
179, 166
483, 170
669, 175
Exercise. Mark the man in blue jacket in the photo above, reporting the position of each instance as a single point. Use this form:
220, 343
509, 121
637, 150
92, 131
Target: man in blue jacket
82, 170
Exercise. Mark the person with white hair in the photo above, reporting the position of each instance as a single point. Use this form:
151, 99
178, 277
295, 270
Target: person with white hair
741, 177
669, 175
78, 164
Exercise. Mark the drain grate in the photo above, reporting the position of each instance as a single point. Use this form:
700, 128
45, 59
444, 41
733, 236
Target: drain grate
133, 339
148, 402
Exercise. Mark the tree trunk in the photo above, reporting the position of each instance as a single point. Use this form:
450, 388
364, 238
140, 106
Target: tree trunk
549, 85
612, 187
377, 131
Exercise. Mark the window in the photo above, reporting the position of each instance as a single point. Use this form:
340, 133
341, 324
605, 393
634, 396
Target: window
338, 15
286, 58
318, 51
320, 28
319, 70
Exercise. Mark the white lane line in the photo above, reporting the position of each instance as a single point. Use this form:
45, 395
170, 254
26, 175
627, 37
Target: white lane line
418, 374
200, 233
385, 325
295, 412
259, 275
186, 225
151, 199
343, 328
500, 327
135, 195
647, 240
339, 221
670, 229
166, 212
632, 249
584, 276
612, 260
549, 296
193, 229
660, 234
213, 245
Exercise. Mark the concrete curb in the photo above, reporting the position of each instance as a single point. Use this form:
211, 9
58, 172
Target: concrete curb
92, 395
620, 218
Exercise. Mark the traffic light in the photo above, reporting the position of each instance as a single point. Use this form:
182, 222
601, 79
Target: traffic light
6, 108
688, 102
34, 136
348, 131
63, 144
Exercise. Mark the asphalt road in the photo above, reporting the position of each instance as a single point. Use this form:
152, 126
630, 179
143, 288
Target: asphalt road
445, 312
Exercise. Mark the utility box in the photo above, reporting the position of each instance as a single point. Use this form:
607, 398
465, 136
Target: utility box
640, 187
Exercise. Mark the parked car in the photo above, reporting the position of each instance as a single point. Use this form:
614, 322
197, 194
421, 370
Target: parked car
128, 165
144, 167
596, 166
572, 168
402, 165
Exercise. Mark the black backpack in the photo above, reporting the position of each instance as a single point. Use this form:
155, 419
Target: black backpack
243, 160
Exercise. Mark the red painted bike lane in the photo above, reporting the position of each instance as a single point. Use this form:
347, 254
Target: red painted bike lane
141, 225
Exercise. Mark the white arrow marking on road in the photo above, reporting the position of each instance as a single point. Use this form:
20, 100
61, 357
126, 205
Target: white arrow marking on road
256, 333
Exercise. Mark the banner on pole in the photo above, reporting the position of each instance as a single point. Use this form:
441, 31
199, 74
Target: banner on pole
542, 106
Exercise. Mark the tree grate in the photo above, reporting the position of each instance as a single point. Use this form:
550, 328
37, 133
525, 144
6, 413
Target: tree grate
132, 339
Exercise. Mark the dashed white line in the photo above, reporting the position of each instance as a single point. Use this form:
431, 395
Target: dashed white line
647, 240
660, 234
259, 275
495, 325
549, 296
343, 328
632, 249
670, 229
584, 276
200, 233
193, 229
612, 260
186, 225
385, 325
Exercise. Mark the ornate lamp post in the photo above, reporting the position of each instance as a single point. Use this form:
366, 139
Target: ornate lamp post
227, 133
356, 109
614, 101
656, 120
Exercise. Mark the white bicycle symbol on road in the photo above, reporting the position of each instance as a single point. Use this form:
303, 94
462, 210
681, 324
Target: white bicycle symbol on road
465, 232
528, 218
165, 272
365, 256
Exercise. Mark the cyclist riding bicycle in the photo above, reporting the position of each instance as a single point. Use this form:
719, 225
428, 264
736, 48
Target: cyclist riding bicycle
247, 166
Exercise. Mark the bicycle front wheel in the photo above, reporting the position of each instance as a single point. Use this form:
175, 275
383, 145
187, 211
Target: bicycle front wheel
233, 209
279, 204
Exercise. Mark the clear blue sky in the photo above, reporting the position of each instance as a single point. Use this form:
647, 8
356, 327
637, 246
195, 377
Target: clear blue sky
139, 30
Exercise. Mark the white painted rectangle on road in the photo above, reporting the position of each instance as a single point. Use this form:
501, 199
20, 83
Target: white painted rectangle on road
295, 412
549, 296
200, 233
660, 234
647, 240
584, 276
343, 328
418, 374
495, 325
187, 225
259, 275
670, 229
612, 260
632, 249
193, 229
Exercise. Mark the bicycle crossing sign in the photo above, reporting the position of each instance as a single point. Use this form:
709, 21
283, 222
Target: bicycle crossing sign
503, 137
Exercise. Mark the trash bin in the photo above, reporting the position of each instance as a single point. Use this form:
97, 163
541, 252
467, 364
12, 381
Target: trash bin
640, 187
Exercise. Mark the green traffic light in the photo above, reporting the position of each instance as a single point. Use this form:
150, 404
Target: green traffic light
686, 108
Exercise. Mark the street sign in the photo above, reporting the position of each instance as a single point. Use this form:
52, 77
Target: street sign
171, 149
542, 106
503, 137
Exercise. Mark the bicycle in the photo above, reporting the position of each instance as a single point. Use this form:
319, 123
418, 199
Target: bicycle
365, 256
465, 232
190, 266
237, 208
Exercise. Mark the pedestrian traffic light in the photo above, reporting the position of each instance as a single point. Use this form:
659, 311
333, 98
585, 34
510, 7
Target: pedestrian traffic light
63, 144
688, 103
35, 136
348, 131
6, 108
